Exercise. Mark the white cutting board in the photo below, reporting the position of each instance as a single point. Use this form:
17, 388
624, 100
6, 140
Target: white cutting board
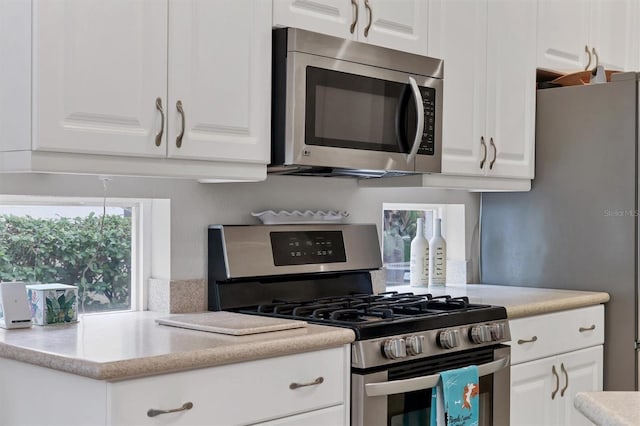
230, 323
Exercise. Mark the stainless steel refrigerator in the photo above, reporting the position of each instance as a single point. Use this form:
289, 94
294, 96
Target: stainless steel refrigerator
578, 227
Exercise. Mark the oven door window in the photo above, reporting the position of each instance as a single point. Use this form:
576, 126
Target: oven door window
351, 111
414, 408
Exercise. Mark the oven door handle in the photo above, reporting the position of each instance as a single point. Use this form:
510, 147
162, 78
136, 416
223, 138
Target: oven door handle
426, 382
417, 96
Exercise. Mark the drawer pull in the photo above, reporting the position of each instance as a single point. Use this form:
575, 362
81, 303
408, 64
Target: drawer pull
302, 385
186, 406
583, 329
523, 341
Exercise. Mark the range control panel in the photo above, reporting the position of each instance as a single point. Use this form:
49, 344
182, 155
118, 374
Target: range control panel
388, 350
307, 247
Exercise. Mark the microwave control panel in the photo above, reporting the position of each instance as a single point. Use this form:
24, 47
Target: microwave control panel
428, 145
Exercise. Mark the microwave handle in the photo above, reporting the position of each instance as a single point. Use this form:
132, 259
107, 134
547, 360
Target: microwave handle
427, 382
417, 96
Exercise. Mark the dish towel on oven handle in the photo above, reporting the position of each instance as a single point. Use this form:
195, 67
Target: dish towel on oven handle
455, 398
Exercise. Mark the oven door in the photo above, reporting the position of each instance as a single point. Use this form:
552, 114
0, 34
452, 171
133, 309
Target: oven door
355, 116
401, 395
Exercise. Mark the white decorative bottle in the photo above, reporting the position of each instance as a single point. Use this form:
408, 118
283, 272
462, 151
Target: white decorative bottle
419, 267
438, 259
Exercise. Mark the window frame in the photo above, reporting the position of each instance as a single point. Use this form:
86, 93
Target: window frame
452, 216
141, 256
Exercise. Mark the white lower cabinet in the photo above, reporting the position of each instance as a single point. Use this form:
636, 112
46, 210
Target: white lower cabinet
542, 391
324, 417
554, 357
311, 388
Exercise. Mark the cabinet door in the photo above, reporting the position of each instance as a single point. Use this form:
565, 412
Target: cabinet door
580, 371
532, 385
220, 73
337, 18
98, 67
563, 33
612, 33
396, 24
457, 34
328, 416
511, 88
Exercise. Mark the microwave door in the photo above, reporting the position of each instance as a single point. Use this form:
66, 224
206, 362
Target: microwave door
351, 119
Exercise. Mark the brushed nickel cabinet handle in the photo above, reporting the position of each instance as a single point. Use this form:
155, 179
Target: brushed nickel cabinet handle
495, 153
186, 406
161, 132
566, 376
593, 49
368, 7
484, 150
354, 3
523, 341
555, 373
317, 381
586, 49
583, 329
181, 111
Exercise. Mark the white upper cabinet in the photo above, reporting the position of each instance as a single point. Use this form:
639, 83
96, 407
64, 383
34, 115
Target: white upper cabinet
219, 71
456, 34
98, 68
396, 24
488, 49
576, 34
176, 88
511, 88
337, 18
613, 33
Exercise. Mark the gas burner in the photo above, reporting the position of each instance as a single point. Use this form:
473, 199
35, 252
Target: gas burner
368, 313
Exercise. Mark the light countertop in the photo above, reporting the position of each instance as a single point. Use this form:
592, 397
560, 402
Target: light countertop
610, 408
119, 346
519, 301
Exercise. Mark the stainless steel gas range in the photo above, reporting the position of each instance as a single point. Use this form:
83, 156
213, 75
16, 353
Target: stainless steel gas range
321, 274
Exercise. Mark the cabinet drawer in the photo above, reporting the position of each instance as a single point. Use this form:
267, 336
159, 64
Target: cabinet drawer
328, 416
242, 393
551, 334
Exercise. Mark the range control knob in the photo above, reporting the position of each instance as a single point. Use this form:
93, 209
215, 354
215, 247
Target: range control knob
394, 348
415, 345
480, 334
497, 331
448, 339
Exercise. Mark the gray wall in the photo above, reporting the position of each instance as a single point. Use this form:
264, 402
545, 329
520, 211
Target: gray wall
195, 205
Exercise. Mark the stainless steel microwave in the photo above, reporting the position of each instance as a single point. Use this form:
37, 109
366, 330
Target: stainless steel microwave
341, 107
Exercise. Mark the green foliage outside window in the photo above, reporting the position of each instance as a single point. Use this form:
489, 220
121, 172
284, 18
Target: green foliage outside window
78, 251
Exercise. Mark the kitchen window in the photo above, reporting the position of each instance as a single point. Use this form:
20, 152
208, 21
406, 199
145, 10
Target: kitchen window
399, 228
90, 243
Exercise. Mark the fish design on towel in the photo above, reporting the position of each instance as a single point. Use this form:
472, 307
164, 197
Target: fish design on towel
470, 390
